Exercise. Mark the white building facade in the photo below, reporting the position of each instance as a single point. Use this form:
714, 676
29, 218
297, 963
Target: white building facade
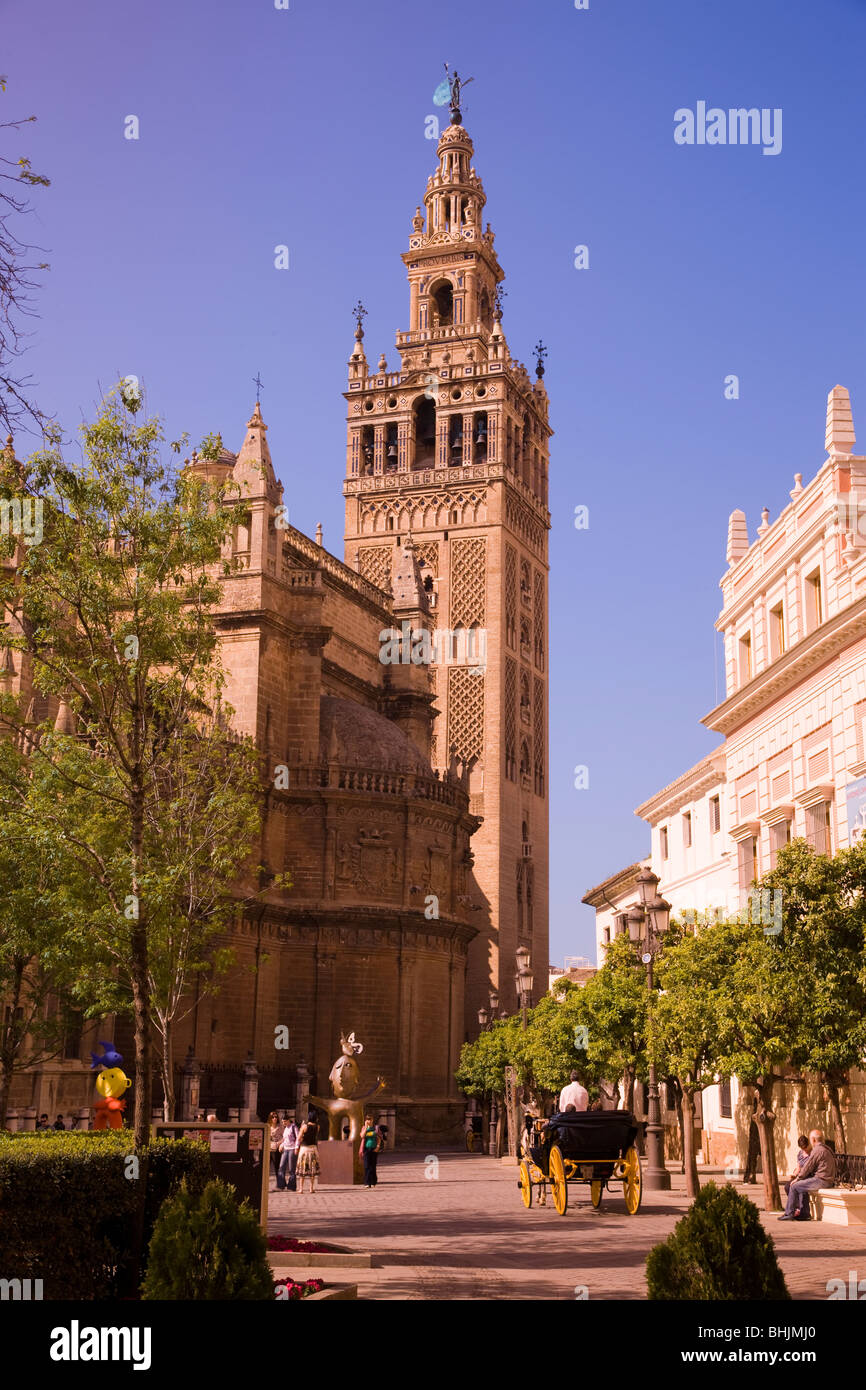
792, 763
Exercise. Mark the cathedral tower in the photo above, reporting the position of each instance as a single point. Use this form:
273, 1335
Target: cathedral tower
451, 449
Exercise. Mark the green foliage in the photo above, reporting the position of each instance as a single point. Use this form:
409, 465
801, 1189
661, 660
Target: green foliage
68, 1203
114, 610
482, 1063
207, 1246
719, 1251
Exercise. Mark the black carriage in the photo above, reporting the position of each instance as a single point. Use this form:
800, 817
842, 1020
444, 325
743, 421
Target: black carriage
595, 1147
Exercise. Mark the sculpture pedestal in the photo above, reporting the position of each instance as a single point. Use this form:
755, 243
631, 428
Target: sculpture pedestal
339, 1163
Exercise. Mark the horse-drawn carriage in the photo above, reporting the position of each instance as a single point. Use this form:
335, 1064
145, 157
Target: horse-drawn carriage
595, 1147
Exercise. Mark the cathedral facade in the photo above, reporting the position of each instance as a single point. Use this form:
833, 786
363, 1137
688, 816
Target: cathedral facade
399, 699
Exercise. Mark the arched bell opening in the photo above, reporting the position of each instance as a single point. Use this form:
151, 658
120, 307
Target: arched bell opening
425, 433
391, 449
442, 304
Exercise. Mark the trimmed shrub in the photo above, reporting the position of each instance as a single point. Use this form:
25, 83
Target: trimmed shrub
207, 1246
719, 1251
67, 1206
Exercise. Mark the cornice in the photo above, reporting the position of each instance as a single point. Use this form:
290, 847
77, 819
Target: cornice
624, 879
687, 787
788, 670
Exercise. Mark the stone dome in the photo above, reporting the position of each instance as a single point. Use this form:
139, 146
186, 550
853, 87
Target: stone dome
353, 735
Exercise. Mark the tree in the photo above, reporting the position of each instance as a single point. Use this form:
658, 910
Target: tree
113, 610
760, 1000
16, 271
687, 1028
202, 819
824, 935
36, 1004
481, 1066
613, 1007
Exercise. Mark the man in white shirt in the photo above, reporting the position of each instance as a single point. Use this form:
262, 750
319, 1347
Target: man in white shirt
573, 1094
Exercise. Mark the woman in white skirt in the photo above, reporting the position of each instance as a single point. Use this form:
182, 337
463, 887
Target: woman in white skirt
308, 1152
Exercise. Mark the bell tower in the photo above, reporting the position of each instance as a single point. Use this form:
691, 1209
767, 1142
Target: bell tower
451, 449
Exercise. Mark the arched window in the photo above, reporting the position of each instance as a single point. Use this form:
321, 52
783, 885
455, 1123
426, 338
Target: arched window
367, 450
425, 432
442, 304
391, 449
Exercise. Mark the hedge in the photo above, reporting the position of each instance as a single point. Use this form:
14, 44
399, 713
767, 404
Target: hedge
67, 1206
719, 1251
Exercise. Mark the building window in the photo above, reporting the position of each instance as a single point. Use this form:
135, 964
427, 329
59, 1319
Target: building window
620, 924
663, 838
715, 815
726, 1111
747, 863
606, 936
745, 658
814, 601
687, 830
780, 834
818, 831
777, 631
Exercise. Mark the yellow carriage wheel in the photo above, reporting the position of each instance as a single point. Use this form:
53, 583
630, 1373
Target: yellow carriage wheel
525, 1185
595, 1191
632, 1187
558, 1184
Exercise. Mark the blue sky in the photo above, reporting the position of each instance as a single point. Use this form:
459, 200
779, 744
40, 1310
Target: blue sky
305, 127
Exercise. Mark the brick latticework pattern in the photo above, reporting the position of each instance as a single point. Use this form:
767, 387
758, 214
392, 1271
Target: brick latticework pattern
376, 562
510, 594
428, 551
465, 712
540, 620
510, 720
468, 581
538, 725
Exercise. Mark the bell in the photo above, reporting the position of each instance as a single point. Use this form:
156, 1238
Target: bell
457, 445
391, 451
481, 433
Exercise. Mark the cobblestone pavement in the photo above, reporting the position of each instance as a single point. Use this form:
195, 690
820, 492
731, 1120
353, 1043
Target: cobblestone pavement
467, 1235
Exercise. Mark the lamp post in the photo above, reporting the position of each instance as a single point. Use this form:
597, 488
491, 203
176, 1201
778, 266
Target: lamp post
524, 981
648, 923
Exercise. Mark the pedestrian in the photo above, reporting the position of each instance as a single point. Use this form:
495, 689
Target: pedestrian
371, 1143
43, 1123
308, 1152
754, 1152
573, 1094
276, 1136
58, 1123
818, 1171
804, 1148
288, 1157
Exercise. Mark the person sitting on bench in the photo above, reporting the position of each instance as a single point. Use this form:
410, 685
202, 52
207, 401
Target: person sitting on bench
818, 1171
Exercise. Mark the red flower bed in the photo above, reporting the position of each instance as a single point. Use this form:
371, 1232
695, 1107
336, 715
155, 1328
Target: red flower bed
285, 1289
291, 1243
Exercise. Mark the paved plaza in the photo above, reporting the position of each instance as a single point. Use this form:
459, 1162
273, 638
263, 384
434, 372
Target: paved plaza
466, 1235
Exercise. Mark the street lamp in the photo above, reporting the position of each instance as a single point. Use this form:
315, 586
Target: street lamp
649, 923
482, 1017
523, 980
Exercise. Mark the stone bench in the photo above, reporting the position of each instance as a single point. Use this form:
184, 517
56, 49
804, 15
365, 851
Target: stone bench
838, 1206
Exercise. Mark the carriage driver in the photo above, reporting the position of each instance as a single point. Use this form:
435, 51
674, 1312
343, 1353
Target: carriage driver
573, 1095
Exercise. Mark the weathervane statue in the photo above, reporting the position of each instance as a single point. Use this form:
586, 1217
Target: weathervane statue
456, 86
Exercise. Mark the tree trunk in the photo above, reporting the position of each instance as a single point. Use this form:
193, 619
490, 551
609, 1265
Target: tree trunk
628, 1093
766, 1122
140, 989
678, 1101
485, 1123
168, 1096
500, 1128
832, 1085
5, 1087
693, 1185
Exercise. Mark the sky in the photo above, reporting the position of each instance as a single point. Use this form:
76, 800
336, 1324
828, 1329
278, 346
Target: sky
304, 127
